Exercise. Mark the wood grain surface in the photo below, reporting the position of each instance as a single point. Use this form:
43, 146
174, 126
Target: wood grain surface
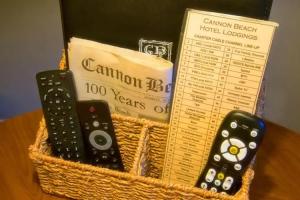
277, 169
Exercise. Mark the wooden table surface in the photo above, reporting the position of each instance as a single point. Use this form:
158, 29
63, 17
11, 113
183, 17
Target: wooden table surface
277, 170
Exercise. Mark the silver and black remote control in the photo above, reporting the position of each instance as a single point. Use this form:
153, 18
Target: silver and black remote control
100, 140
58, 99
235, 145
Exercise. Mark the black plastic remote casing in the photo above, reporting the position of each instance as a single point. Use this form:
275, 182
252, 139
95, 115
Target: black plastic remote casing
99, 135
58, 97
234, 147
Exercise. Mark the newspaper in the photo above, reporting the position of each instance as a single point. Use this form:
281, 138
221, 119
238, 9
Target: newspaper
133, 83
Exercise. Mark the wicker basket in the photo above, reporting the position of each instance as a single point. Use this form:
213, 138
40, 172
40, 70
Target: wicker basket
142, 144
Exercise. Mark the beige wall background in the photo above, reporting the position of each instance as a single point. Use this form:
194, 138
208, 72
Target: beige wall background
31, 41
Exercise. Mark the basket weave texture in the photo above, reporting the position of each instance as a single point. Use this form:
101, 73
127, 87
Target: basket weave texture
142, 145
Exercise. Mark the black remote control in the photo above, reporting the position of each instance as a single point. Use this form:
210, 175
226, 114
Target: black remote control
58, 99
100, 140
235, 145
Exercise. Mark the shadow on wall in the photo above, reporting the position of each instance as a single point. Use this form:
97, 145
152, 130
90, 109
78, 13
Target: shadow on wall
31, 40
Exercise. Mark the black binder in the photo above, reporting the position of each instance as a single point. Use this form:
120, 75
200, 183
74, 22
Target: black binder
124, 22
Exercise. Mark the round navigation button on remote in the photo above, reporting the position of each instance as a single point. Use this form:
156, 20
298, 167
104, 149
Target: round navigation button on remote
96, 123
100, 140
233, 150
253, 133
237, 142
217, 157
217, 182
237, 167
224, 146
230, 157
220, 176
242, 154
233, 125
252, 145
203, 185
225, 133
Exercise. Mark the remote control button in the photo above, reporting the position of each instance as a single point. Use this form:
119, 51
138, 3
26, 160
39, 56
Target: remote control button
68, 95
233, 125
43, 78
217, 157
233, 150
227, 183
57, 83
105, 126
112, 152
225, 133
95, 152
252, 145
242, 154
74, 142
96, 123
253, 133
115, 166
104, 156
230, 157
114, 160
213, 189
224, 146
217, 182
237, 142
100, 140
94, 116
57, 101
92, 109
220, 176
211, 173
237, 167
50, 90
203, 185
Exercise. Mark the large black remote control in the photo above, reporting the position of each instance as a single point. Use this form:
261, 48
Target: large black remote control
100, 140
58, 97
235, 145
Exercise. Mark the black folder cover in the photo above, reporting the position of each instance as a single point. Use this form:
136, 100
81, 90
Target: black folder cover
124, 22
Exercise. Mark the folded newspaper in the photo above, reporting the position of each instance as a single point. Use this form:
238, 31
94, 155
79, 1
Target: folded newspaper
133, 83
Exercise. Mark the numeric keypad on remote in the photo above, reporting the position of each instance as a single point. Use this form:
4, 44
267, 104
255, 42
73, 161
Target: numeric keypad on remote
58, 98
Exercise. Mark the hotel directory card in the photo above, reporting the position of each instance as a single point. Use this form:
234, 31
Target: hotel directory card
221, 63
